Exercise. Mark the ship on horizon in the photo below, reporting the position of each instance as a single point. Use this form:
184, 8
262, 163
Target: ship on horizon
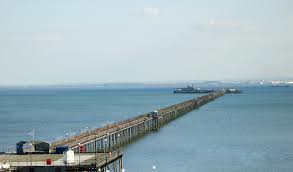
191, 89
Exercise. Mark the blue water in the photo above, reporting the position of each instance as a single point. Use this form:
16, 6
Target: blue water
251, 131
55, 112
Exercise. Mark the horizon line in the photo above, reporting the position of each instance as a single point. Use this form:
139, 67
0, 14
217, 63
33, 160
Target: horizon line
243, 81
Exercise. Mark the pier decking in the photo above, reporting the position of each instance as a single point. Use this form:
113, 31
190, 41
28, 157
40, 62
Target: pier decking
82, 162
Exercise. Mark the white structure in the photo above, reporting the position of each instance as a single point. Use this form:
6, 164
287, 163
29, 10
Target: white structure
28, 148
4, 166
68, 157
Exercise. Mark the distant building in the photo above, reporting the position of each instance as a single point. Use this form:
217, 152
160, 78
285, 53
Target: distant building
19, 149
24, 147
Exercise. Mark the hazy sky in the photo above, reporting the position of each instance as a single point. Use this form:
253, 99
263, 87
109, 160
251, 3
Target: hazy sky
63, 42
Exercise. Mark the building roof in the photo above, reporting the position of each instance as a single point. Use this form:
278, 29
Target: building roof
32, 142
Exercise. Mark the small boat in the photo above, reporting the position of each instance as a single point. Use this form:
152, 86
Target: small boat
190, 89
232, 90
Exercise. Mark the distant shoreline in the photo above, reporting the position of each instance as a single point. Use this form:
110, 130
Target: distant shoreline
139, 86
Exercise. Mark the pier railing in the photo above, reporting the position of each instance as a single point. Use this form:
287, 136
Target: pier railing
109, 157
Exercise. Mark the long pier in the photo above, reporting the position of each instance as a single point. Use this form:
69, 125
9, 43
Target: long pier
113, 136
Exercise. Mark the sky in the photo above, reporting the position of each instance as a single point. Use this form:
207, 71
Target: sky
95, 41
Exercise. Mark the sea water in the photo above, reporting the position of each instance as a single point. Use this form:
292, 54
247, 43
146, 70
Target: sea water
252, 131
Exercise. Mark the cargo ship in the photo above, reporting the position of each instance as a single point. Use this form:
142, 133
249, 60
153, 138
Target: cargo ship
191, 89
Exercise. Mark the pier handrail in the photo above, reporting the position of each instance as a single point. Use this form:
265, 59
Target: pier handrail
111, 155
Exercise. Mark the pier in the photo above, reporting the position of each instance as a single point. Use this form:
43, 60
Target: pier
115, 135
103, 146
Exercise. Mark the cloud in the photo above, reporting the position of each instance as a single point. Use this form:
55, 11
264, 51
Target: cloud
152, 11
212, 22
231, 25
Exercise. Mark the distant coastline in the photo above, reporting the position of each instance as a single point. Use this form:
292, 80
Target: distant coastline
171, 85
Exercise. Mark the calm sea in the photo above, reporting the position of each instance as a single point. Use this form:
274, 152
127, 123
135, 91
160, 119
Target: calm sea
252, 131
